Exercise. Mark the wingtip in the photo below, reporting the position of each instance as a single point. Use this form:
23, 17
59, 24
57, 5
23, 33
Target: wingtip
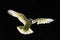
9, 11
48, 20
51, 20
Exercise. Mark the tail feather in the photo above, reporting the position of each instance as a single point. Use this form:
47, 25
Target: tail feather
20, 29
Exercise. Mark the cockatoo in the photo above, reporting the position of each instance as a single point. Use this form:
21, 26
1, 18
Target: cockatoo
25, 29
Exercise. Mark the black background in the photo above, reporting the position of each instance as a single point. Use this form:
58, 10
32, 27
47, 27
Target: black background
32, 9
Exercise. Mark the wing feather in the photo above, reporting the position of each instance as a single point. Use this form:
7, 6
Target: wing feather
20, 16
42, 20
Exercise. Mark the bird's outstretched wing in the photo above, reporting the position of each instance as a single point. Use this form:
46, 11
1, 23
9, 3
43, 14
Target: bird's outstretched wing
42, 20
20, 16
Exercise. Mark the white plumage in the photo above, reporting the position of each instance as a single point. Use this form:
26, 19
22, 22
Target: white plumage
27, 23
42, 20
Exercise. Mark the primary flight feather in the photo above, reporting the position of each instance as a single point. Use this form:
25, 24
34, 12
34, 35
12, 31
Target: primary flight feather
25, 29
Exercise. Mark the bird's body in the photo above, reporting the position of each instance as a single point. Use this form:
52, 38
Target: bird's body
25, 29
27, 26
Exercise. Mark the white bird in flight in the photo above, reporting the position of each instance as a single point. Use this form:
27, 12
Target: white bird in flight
25, 29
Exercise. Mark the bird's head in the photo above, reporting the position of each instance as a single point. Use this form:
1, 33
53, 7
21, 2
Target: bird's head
30, 19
